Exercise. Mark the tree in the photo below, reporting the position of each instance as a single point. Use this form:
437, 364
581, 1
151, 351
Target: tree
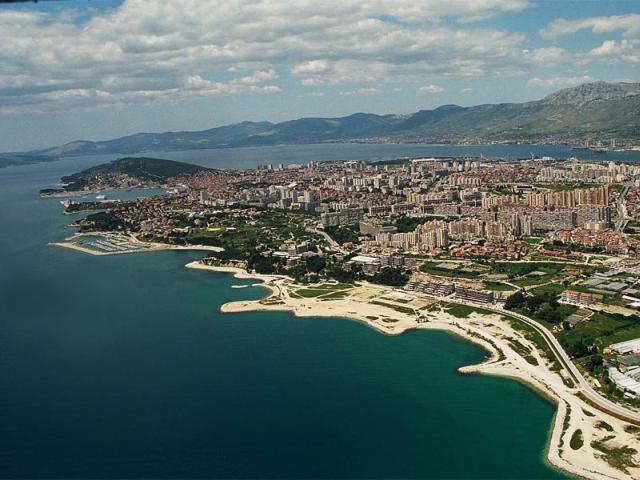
595, 362
391, 276
515, 301
316, 264
547, 313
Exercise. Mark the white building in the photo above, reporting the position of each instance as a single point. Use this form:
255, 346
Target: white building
630, 346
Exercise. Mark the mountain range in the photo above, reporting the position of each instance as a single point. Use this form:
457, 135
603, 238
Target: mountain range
598, 110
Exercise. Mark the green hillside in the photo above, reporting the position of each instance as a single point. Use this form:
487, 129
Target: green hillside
142, 168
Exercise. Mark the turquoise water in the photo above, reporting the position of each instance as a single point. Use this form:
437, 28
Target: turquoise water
123, 367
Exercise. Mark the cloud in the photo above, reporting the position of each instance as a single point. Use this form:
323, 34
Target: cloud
149, 51
625, 50
431, 89
558, 82
362, 91
466, 90
312, 66
547, 56
628, 23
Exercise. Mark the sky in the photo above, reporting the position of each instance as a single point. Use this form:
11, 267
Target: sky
100, 69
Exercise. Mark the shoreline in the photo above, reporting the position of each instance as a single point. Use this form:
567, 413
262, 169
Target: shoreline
489, 332
135, 245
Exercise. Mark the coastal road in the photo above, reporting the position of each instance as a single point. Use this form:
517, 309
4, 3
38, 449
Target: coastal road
584, 387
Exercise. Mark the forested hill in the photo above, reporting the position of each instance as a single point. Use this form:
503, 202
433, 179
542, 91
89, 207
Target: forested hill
143, 169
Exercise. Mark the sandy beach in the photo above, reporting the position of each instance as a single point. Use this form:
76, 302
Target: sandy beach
493, 333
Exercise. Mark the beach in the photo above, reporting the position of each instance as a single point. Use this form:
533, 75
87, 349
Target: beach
496, 334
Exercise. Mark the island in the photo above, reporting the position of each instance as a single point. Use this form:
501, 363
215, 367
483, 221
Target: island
535, 260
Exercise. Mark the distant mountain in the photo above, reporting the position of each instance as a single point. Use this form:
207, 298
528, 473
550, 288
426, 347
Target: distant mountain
595, 110
141, 168
592, 92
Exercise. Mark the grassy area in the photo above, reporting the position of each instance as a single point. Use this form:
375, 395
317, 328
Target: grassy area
458, 272
602, 329
523, 351
577, 440
552, 288
463, 311
310, 292
537, 339
533, 240
334, 295
325, 291
397, 308
524, 268
618, 457
498, 287
532, 280
602, 425
432, 307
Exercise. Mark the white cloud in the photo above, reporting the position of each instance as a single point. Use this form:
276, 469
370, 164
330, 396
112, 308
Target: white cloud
612, 50
145, 50
362, 91
431, 89
466, 90
547, 56
559, 82
628, 23
313, 66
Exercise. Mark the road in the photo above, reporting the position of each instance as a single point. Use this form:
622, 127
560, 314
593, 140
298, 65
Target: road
622, 221
330, 240
583, 386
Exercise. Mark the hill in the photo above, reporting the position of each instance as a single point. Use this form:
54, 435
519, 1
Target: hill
596, 110
143, 169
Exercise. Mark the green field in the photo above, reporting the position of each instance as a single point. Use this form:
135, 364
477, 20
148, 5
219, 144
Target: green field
602, 329
498, 287
463, 311
397, 308
328, 291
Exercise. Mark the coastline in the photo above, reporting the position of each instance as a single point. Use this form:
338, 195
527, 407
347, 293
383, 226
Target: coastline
493, 334
128, 243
